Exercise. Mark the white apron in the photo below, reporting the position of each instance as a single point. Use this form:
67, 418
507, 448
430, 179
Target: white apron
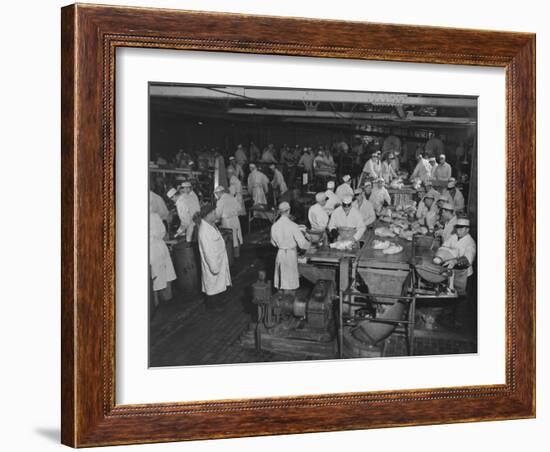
162, 269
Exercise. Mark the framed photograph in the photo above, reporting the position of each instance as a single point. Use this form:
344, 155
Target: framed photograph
282, 225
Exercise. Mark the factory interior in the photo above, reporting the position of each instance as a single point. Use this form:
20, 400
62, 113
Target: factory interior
303, 165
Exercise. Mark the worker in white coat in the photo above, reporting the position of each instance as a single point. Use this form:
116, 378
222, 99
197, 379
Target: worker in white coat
422, 170
286, 236
258, 185
386, 169
344, 189
227, 211
236, 190
372, 168
162, 269
346, 216
215, 274
278, 182
427, 211
379, 195
455, 195
332, 200
365, 207
465, 247
157, 205
448, 220
317, 215
187, 204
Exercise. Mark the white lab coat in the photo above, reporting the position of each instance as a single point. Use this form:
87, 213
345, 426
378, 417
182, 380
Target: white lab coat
236, 189
466, 246
457, 199
422, 171
187, 205
448, 229
318, 217
227, 210
366, 209
286, 236
353, 219
372, 168
332, 202
344, 190
278, 182
157, 205
378, 196
258, 185
214, 262
162, 269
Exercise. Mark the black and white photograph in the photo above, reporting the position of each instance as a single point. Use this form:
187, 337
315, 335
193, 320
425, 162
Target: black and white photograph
295, 224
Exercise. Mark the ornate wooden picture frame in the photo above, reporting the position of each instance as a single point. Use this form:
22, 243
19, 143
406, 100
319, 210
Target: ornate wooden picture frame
90, 37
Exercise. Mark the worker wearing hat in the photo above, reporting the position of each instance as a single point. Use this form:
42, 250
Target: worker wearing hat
448, 219
455, 195
433, 165
427, 211
344, 189
258, 185
227, 212
348, 217
364, 207
442, 172
422, 170
287, 236
372, 168
236, 189
332, 200
379, 195
187, 204
464, 246
367, 188
317, 215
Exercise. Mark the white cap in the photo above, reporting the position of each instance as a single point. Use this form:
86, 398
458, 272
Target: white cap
284, 207
218, 189
442, 156
444, 197
171, 192
432, 194
379, 179
347, 199
448, 206
357, 191
451, 183
431, 159
330, 184
367, 183
463, 222
346, 178
231, 158
185, 184
320, 196
252, 166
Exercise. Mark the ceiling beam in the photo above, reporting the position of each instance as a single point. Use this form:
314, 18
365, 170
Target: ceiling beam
302, 95
342, 115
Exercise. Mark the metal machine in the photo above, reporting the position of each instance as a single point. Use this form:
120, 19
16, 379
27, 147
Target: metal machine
293, 325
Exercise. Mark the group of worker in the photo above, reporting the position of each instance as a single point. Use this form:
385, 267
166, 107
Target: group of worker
200, 223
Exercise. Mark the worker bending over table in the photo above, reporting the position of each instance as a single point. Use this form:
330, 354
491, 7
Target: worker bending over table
346, 217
